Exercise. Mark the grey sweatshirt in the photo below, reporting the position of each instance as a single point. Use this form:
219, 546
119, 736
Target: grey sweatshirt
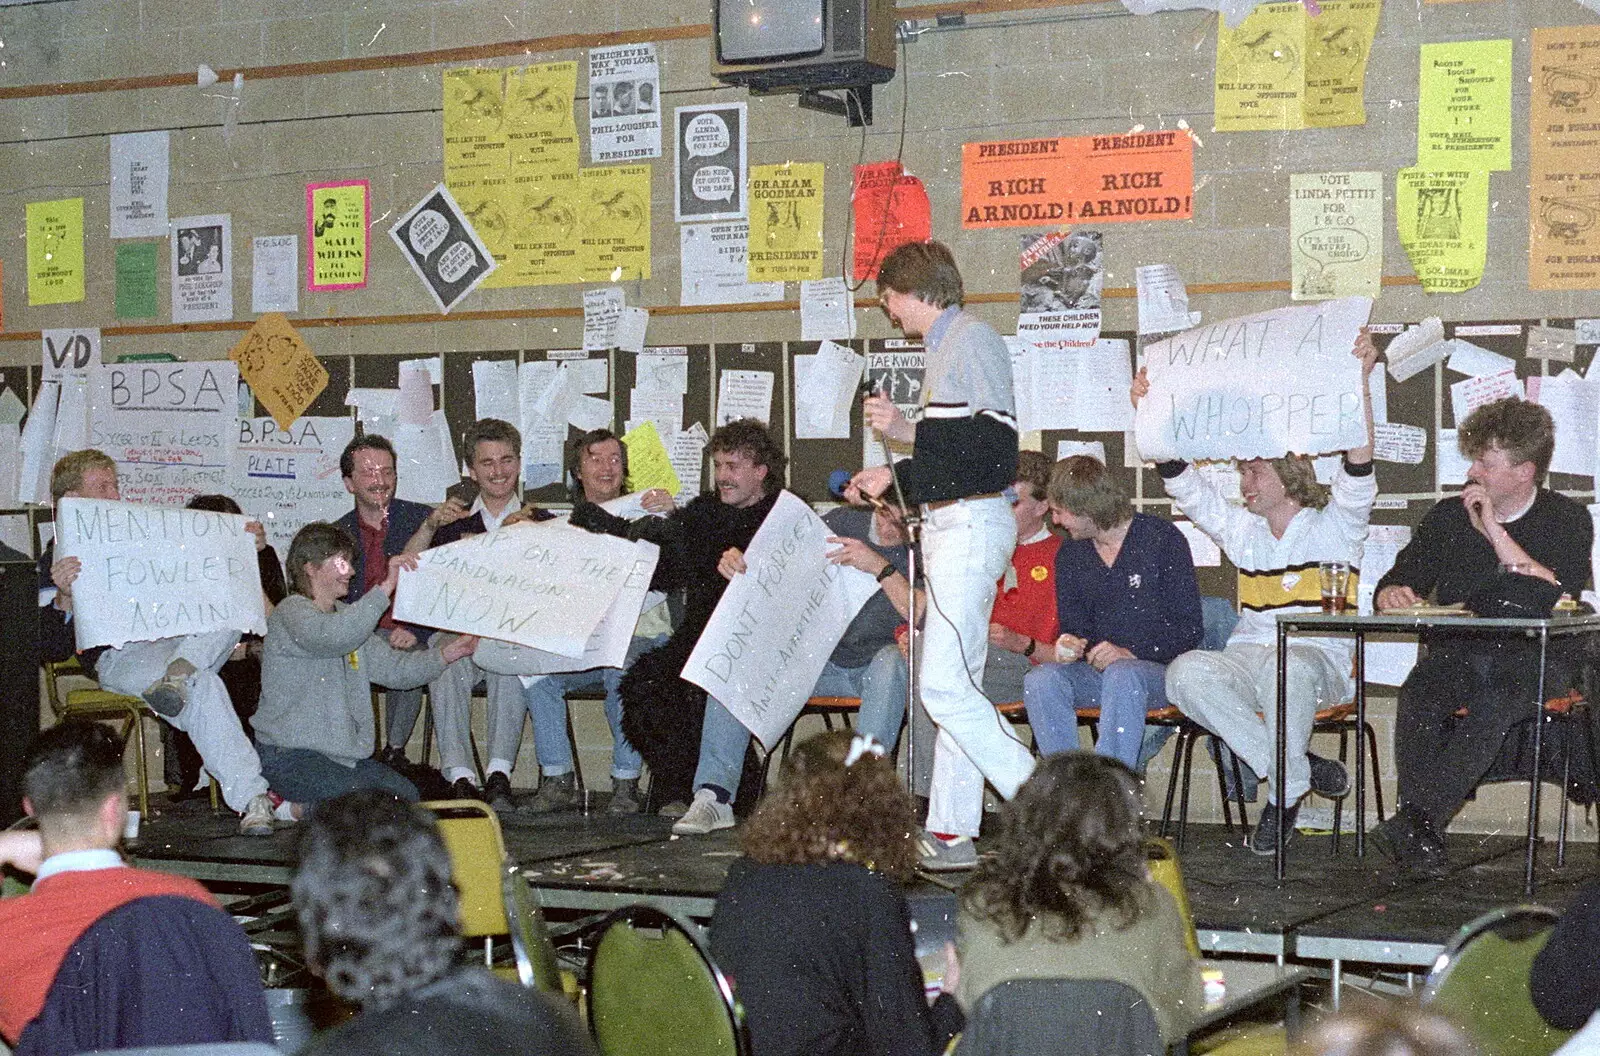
317, 670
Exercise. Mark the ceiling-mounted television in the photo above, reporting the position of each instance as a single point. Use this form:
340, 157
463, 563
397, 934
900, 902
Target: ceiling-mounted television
777, 45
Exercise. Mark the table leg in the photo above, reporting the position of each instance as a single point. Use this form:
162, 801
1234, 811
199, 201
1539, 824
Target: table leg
1538, 761
1361, 755
1291, 1013
1281, 748
1337, 981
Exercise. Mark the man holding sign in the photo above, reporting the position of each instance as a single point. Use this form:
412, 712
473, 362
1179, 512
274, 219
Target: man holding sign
1289, 524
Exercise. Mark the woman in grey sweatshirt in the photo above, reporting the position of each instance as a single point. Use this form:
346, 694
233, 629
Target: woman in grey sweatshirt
314, 729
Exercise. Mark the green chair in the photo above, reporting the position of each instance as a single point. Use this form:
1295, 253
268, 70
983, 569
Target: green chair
653, 991
1481, 982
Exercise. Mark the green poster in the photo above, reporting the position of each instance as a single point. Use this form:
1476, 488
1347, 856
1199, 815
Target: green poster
136, 280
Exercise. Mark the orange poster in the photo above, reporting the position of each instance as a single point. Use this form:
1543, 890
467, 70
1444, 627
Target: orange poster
1564, 159
1038, 182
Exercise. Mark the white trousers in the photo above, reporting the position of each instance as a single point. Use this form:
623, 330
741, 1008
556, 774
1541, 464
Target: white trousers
1234, 694
451, 694
208, 718
966, 547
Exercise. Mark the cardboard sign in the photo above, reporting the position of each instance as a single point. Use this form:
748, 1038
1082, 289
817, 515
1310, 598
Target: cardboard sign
279, 368
1034, 182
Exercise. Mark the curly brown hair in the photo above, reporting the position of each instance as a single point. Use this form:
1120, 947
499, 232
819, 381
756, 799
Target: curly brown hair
1070, 850
825, 811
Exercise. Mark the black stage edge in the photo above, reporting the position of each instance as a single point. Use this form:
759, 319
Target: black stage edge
19, 674
1329, 909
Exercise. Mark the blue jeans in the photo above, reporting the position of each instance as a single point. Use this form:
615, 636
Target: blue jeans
304, 776
1124, 691
546, 698
880, 683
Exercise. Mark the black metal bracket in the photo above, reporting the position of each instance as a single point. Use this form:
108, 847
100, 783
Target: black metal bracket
854, 104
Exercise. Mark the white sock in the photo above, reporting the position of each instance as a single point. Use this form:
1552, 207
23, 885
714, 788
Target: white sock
457, 773
500, 766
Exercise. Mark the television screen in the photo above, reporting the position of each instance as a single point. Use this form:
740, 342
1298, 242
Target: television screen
759, 30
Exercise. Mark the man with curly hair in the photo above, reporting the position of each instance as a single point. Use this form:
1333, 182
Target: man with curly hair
1289, 524
381, 921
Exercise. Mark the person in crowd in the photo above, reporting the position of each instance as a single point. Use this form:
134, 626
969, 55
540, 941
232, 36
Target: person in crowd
1128, 604
381, 921
1565, 980
811, 925
1384, 1028
315, 728
241, 674
1023, 626
493, 450
1289, 524
382, 525
1505, 528
177, 677
964, 455
1066, 894
661, 713
867, 662
183, 985
599, 468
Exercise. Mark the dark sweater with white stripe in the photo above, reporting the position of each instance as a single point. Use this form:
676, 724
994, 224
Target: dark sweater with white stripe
967, 438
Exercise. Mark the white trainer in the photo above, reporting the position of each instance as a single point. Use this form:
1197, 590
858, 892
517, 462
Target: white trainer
704, 815
257, 820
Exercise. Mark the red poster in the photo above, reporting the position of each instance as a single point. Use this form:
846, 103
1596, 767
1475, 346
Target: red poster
1099, 179
891, 209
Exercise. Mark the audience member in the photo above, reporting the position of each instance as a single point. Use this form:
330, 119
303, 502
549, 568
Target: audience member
1385, 1028
811, 925
1505, 532
1289, 524
382, 525
177, 677
494, 462
1566, 974
190, 975
1128, 604
315, 725
381, 922
1023, 626
1066, 894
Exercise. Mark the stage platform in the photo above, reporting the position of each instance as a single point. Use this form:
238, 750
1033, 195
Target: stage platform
1332, 911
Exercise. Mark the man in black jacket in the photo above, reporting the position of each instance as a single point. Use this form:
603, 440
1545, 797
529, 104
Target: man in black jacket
1504, 526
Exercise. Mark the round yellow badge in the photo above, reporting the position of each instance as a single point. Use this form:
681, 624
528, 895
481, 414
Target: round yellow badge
1040, 573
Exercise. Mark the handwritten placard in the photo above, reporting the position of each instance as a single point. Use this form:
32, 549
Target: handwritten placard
1258, 386
279, 368
170, 427
152, 572
287, 478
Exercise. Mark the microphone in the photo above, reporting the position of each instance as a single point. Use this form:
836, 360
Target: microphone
837, 480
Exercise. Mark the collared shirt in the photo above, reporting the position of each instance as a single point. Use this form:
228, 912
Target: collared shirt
80, 862
935, 332
491, 523
375, 563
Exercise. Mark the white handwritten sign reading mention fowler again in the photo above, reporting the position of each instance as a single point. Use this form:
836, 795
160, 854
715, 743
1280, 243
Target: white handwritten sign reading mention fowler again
1258, 386
545, 586
777, 623
152, 572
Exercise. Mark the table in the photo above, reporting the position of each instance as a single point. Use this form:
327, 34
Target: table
1250, 985
1401, 623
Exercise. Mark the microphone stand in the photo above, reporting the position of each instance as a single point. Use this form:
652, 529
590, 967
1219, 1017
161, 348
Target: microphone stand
913, 528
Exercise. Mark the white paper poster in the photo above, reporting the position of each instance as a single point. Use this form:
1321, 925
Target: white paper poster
1397, 442
624, 103
1468, 394
1258, 386
1450, 465
1100, 400
687, 453
38, 445
713, 268
275, 273
1061, 279
70, 351
425, 460
202, 269
602, 309
1163, 300
778, 622
494, 388
712, 169
286, 479
1574, 406
825, 387
171, 428
744, 394
153, 572
1416, 349
139, 167
542, 585
827, 310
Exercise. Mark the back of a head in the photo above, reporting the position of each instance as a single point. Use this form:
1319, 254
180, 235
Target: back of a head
1385, 1028
69, 770
925, 270
377, 909
214, 504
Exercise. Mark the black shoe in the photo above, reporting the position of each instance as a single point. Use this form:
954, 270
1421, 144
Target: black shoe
624, 796
497, 792
557, 794
1409, 841
462, 788
394, 758
1264, 841
1328, 777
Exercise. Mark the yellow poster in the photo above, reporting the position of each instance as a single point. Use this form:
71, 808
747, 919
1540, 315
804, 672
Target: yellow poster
785, 222
648, 463
614, 222
544, 230
540, 129
1336, 232
336, 231
1464, 106
1564, 159
1443, 219
275, 362
485, 207
1282, 68
475, 145
55, 251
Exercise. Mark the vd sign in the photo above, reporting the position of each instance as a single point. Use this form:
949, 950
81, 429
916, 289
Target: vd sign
70, 351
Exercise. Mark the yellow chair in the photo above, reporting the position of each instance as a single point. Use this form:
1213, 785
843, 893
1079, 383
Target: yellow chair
495, 900
98, 704
1164, 870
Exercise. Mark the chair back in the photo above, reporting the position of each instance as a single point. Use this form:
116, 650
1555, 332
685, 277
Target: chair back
654, 991
1061, 1017
216, 1048
1164, 870
1481, 982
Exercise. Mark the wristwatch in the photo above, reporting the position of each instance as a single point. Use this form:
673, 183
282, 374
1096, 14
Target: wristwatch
885, 573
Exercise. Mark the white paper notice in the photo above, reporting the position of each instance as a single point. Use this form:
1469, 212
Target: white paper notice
1051, 376
38, 445
1588, 331
825, 388
663, 373
1387, 663
11, 469
275, 273
425, 460
373, 405
154, 572
686, 451
494, 390
1574, 405
827, 310
663, 408
543, 441
139, 167
630, 329
713, 268
170, 427
1469, 394
1396, 442
1100, 397
1257, 386
1202, 548
601, 310
72, 351
624, 103
1548, 342
1475, 361
1450, 465
744, 394
1417, 349
1021, 383
778, 622
288, 479
202, 269
589, 412
1095, 449
1163, 300
588, 376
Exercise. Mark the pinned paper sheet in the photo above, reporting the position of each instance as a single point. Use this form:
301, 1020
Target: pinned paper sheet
1574, 406
588, 376
1450, 465
415, 401
1100, 400
1163, 300
275, 273
688, 454
373, 404
1396, 442
1469, 394
1548, 342
1588, 331
425, 461
1095, 449
827, 310
1022, 383
602, 309
1475, 361
589, 412
744, 394
1417, 349
714, 269
648, 464
631, 327
825, 390
494, 389
1202, 548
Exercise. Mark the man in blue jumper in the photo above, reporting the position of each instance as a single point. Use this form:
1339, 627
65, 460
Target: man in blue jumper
1128, 603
